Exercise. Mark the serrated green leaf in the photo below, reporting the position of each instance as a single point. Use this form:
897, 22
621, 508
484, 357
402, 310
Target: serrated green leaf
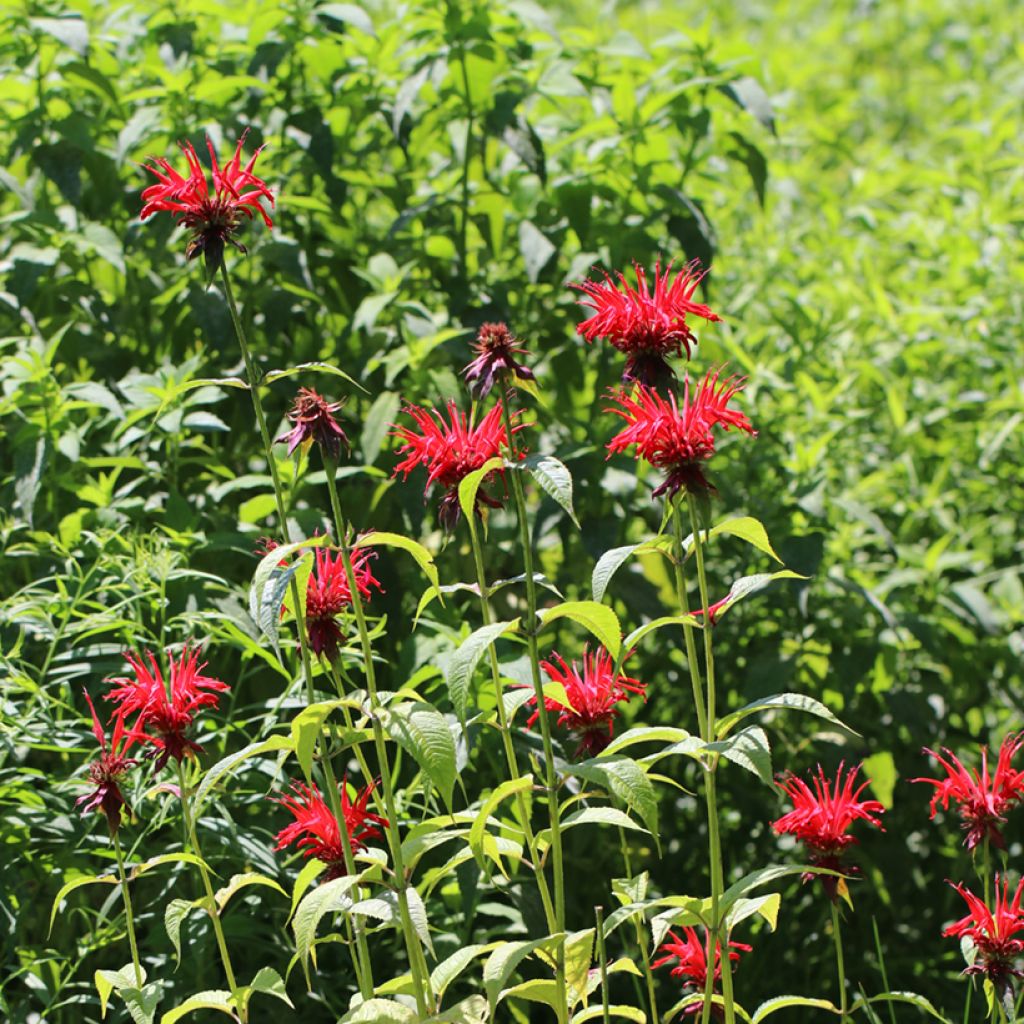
449, 969
315, 367
614, 1010
649, 627
174, 916
626, 779
423, 732
611, 561
463, 662
504, 960
911, 998
750, 749
324, 899
601, 816
779, 701
479, 827
554, 478
242, 881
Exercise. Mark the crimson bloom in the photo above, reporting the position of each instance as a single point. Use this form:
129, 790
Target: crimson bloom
168, 719
105, 772
496, 352
676, 436
992, 932
646, 324
593, 693
981, 798
451, 450
822, 816
690, 962
313, 419
315, 829
212, 219
328, 595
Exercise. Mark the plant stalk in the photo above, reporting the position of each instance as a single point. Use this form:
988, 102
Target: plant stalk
129, 915
838, 939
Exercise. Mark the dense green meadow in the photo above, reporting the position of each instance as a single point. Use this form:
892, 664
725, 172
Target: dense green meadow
852, 174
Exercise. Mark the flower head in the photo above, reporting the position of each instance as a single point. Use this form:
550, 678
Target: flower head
451, 450
822, 816
328, 595
981, 798
105, 772
168, 719
689, 960
212, 219
314, 421
646, 324
593, 693
496, 350
676, 436
992, 932
315, 829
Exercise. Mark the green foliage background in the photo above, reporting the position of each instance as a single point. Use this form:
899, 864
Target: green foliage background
852, 170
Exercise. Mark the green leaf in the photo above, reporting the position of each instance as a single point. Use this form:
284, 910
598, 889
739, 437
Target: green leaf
316, 367
504, 960
536, 249
766, 1009
395, 540
614, 1010
749, 749
423, 732
911, 998
762, 876
311, 870
779, 701
174, 916
599, 619
350, 14
324, 899
449, 969
380, 1011
375, 425
766, 906
537, 990
601, 816
462, 664
307, 728
108, 981
749, 529
476, 833
649, 627
214, 999
241, 881
553, 478
748, 94
611, 561
626, 779
270, 983
747, 585
418, 916
471, 482
142, 1003
649, 734
77, 883
228, 764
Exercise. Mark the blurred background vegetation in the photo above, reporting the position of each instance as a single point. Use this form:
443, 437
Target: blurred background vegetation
852, 172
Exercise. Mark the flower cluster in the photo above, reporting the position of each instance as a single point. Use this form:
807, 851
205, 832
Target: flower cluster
688, 957
452, 450
106, 771
166, 708
593, 693
315, 829
496, 350
822, 816
981, 798
313, 421
677, 436
992, 931
213, 218
647, 324
328, 595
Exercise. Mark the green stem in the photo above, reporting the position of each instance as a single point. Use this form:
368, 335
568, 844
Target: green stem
211, 900
417, 963
467, 154
641, 933
986, 872
551, 778
129, 916
602, 960
838, 939
506, 733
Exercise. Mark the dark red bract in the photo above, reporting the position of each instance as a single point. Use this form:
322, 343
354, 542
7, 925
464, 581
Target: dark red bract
593, 693
313, 419
992, 932
982, 799
167, 719
451, 450
689, 960
676, 436
496, 350
646, 324
315, 829
105, 772
213, 218
822, 816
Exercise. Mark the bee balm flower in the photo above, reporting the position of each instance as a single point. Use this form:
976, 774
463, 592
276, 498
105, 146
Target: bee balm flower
981, 798
328, 595
495, 360
677, 436
690, 963
992, 932
212, 219
313, 419
105, 772
646, 324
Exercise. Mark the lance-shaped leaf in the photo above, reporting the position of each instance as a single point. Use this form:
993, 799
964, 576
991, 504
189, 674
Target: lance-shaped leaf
749, 529
779, 702
611, 561
553, 478
324, 899
423, 557
598, 619
423, 732
470, 485
467, 656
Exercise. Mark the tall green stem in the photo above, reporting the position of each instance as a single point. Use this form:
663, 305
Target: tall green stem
417, 963
551, 778
506, 733
129, 915
838, 939
641, 933
211, 900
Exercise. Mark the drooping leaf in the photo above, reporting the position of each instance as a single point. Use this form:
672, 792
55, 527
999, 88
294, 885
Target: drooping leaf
598, 619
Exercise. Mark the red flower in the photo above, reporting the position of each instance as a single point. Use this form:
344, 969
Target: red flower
992, 933
451, 451
691, 962
646, 325
315, 829
593, 695
328, 595
982, 799
314, 421
496, 350
213, 220
105, 772
677, 436
167, 718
